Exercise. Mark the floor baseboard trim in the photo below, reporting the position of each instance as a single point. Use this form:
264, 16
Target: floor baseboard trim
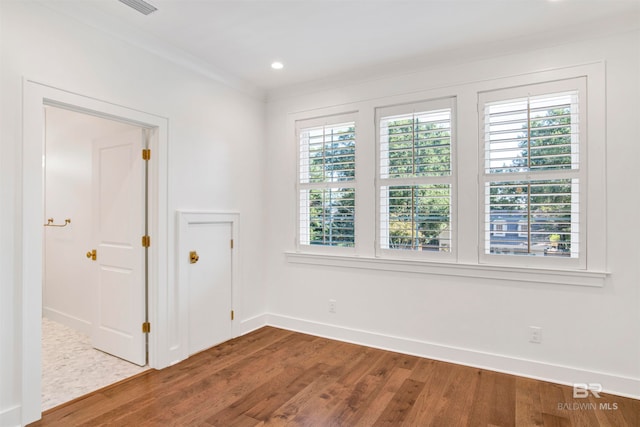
612, 384
10, 417
67, 320
253, 323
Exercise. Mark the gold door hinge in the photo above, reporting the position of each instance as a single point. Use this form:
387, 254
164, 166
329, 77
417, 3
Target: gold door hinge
232, 314
146, 327
146, 154
231, 243
146, 241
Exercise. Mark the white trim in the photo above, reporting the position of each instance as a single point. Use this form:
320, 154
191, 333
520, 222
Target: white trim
252, 324
35, 96
73, 322
116, 28
475, 271
10, 417
611, 383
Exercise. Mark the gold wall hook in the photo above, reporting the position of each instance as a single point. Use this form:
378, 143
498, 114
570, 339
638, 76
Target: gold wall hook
193, 257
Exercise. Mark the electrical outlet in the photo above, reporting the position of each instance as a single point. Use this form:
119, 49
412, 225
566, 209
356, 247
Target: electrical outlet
332, 306
535, 334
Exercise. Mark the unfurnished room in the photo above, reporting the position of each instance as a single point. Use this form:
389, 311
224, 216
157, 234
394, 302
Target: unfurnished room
319, 213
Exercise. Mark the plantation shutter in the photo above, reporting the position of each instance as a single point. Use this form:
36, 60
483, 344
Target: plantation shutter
415, 177
532, 175
327, 184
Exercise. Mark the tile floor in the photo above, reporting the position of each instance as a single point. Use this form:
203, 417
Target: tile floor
72, 368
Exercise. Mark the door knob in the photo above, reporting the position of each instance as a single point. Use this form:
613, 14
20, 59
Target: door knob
92, 254
193, 257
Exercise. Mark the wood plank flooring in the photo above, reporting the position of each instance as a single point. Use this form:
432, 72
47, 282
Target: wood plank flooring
273, 377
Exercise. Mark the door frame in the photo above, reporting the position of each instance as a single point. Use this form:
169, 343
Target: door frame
30, 257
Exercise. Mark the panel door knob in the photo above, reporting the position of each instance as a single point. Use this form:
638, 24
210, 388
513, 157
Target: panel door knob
92, 254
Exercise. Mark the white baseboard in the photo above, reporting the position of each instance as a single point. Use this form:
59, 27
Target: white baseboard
250, 325
73, 322
613, 384
10, 417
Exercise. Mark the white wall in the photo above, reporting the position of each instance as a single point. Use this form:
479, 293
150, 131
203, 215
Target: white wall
67, 295
212, 128
590, 334
217, 160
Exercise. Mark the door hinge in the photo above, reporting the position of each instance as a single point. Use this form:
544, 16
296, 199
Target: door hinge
146, 327
146, 241
232, 314
231, 243
146, 154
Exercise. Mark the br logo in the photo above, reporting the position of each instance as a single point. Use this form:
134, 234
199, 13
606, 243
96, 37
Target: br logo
581, 390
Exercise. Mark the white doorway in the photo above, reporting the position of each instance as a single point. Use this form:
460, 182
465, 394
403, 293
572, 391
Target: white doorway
36, 96
95, 197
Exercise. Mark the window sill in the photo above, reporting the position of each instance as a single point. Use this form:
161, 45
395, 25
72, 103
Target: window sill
481, 271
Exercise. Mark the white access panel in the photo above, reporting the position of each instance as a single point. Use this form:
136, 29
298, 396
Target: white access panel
206, 256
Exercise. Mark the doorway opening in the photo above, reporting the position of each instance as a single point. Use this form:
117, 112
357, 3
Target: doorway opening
94, 203
162, 350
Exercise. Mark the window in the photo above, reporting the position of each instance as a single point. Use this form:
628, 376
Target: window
327, 182
532, 172
415, 182
523, 229
486, 179
499, 228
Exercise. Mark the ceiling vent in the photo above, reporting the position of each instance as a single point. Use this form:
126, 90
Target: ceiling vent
140, 5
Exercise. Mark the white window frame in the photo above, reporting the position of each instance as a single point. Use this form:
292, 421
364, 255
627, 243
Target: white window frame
306, 123
578, 84
451, 179
468, 206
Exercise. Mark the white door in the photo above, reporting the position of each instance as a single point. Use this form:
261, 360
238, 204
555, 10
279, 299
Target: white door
209, 284
118, 227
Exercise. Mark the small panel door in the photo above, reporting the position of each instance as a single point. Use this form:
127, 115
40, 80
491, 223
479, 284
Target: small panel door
209, 284
118, 227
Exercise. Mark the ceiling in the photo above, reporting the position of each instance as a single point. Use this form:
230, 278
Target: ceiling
320, 40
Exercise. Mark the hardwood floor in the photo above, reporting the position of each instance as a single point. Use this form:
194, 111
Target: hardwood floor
273, 377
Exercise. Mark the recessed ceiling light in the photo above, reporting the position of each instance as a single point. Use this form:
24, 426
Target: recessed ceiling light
277, 65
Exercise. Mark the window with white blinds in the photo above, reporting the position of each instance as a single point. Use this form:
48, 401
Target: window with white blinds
489, 177
532, 170
327, 182
415, 181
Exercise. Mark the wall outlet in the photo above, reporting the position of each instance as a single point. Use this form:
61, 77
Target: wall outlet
332, 306
535, 334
